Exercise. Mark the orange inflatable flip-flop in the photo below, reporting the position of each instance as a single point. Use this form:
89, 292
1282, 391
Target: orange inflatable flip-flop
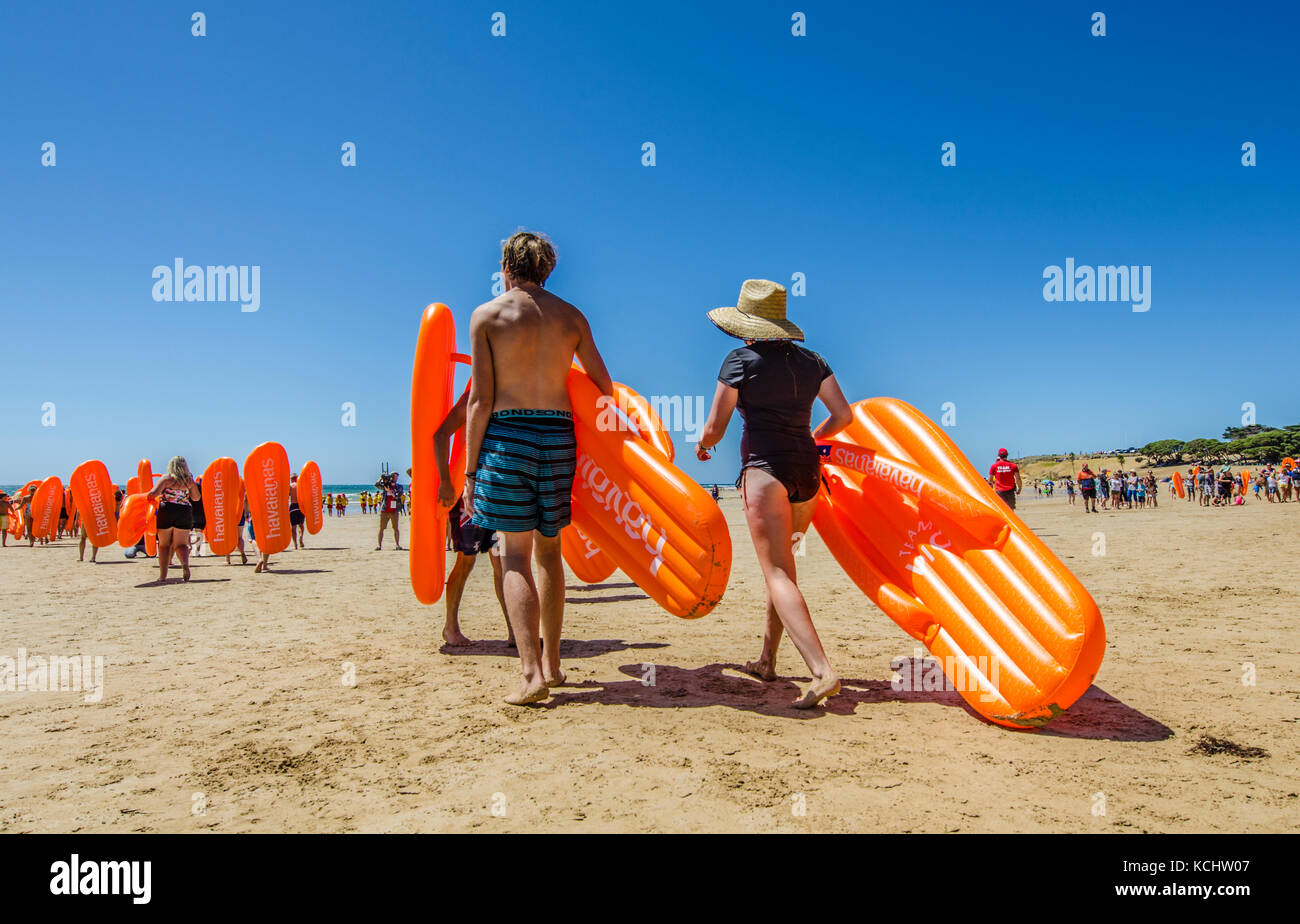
584, 558
45, 508
92, 492
266, 483
132, 521
922, 534
659, 526
223, 504
432, 384
309, 497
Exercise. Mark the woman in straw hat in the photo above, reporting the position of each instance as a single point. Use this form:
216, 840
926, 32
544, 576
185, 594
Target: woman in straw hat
774, 381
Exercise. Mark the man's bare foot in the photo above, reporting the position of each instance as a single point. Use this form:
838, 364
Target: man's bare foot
528, 694
244, 558
186, 572
557, 681
760, 669
455, 639
820, 689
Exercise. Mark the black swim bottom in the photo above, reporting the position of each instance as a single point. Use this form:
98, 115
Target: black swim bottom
175, 516
467, 538
801, 481
296, 516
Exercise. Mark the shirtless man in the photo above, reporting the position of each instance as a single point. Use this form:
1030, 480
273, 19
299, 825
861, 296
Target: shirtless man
521, 450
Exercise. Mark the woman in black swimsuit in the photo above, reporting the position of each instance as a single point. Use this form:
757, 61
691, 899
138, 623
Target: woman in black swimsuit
176, 493
773, 382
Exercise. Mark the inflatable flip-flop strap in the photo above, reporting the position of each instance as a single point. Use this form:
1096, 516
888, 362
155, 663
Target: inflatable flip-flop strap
922, 534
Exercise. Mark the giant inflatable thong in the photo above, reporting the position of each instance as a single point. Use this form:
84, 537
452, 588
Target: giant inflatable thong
923, 535
658, 525
584, 558
92, 491
46, 505
266, 484
223, 505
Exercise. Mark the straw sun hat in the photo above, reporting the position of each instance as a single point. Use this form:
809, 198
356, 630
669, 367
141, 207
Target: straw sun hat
759, 313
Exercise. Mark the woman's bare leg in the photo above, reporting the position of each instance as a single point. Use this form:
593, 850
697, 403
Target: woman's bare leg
164, 552
765, 667
771, 524
181, 546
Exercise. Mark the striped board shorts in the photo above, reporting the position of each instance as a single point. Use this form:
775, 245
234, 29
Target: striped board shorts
525, 472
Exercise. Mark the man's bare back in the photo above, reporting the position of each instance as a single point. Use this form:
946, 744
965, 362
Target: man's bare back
531, 337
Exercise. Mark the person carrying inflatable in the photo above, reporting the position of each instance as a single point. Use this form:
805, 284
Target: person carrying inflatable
297, 519
176, 493
521, 447
773, 382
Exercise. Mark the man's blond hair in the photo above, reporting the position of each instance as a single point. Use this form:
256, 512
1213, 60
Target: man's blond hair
528, 257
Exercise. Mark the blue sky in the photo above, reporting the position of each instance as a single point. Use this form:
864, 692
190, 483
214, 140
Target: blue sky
775, 155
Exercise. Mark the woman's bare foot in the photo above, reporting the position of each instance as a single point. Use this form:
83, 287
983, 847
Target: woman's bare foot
243, 558
528, 694
820, 689
559, 680
455, 639
760, 669
185, 571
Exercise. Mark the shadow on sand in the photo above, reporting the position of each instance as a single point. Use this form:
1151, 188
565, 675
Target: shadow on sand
571, 648
175, 580
1096, 715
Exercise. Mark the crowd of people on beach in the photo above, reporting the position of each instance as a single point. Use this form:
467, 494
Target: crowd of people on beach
1203, 485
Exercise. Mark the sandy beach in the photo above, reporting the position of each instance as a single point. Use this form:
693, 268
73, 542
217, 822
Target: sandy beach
226, 703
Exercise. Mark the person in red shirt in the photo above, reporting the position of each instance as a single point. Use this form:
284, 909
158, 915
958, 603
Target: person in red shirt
1004, 475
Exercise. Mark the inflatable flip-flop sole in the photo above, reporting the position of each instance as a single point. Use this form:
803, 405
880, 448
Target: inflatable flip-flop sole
92, 492
923, 535
223, 505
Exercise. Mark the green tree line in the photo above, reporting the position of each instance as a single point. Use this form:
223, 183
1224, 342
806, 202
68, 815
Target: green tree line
1253, 444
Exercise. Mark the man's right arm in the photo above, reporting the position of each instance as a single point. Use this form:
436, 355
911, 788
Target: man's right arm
441, 442
589, 356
